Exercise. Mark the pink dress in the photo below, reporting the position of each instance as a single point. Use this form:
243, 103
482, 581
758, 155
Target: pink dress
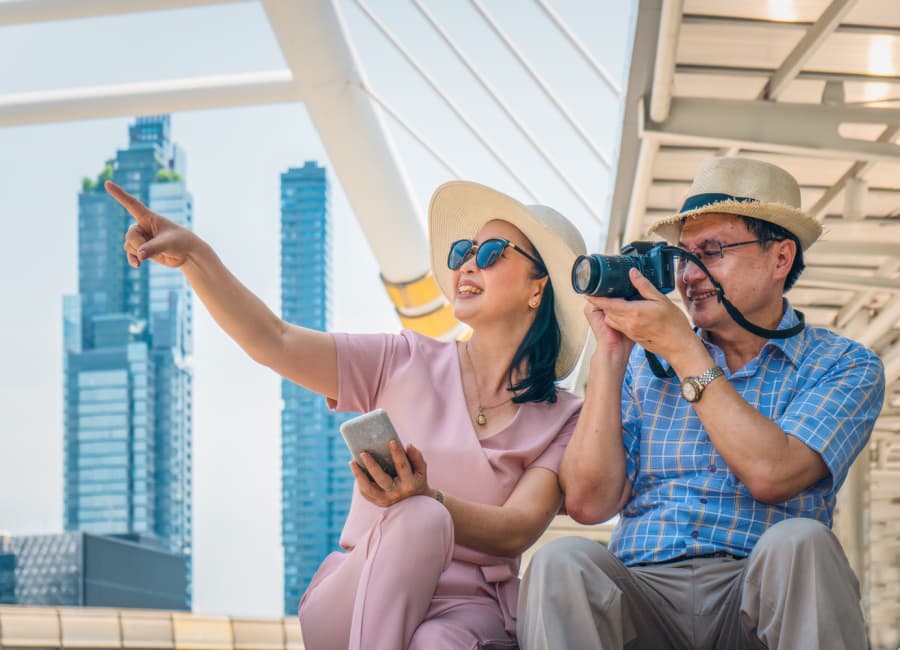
402, 581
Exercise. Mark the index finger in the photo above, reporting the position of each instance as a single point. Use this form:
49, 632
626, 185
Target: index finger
135, 208
646, 288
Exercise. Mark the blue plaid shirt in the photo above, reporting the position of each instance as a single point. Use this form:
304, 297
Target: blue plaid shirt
819, 387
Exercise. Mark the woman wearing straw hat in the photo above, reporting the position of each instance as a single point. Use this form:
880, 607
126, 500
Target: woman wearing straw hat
430, 558
725, 471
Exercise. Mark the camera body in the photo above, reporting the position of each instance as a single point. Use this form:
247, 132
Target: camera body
606, 276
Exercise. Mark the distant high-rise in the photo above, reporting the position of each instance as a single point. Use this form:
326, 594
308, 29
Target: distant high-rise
316, 482
127, 338
7, 570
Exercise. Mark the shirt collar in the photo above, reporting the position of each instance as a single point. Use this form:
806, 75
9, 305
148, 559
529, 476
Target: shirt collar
790, 346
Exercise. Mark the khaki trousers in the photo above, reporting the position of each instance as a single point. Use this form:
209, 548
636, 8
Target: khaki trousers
795, 591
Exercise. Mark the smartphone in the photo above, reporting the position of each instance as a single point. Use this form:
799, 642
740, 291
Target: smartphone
371, 432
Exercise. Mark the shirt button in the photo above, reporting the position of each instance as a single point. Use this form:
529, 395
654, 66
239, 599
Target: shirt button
712, 468
702, 500
695, 534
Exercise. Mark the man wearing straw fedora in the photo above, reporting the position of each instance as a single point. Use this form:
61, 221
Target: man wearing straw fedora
724, 469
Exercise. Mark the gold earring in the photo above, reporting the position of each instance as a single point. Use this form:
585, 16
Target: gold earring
533, 303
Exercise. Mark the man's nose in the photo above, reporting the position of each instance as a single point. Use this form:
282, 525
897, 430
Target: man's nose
689, 270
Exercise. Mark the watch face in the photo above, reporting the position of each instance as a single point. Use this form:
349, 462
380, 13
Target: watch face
689, 390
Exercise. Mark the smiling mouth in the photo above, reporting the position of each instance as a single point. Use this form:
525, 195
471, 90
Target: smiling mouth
468, 290
697, 297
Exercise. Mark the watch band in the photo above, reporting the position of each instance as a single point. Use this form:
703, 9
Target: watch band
706, 378
692, 387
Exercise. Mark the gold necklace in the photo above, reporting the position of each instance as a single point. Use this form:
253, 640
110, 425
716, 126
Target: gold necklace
481, 418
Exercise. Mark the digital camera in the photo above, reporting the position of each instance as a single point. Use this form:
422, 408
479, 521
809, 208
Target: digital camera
606, 276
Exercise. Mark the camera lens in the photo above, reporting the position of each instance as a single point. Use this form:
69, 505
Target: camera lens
585, 273
604, 275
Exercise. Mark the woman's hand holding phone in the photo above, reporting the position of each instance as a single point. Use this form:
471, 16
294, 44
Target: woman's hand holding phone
383, 490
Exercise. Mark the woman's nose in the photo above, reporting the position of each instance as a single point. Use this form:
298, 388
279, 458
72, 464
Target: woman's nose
469, 265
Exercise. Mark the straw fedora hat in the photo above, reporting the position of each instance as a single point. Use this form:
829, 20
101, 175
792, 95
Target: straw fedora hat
744, 187
459, 209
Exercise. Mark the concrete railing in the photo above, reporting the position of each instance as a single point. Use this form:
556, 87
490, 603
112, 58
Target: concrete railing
101, 628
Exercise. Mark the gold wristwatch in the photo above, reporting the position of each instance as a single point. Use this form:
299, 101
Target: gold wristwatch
692, 387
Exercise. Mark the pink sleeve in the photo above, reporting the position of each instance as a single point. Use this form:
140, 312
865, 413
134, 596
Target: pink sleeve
365, 362
552, 455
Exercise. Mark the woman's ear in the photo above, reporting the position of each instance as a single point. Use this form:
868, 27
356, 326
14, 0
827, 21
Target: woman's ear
538, 293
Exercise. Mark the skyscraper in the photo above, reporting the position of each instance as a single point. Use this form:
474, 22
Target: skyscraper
127, 339
7, 570
316, 482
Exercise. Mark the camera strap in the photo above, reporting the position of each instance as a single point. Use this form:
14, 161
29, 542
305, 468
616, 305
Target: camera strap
664, 373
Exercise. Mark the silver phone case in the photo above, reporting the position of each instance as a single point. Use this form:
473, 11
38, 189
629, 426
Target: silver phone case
371, 432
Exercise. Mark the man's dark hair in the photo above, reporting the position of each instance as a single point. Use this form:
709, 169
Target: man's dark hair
769, 231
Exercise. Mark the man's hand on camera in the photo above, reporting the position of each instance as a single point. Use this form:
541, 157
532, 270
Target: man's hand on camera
655, 323
614, 347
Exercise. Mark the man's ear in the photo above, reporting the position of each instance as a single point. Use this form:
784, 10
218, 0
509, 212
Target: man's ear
786, 253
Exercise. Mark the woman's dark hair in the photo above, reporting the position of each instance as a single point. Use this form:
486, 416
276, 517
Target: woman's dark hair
538, 352
770, 232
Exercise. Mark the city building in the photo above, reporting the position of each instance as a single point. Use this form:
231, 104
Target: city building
7, 570
85, 570
316, 482
127, 343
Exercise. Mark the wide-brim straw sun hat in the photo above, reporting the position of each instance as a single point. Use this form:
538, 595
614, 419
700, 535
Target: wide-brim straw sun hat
743, 187
459, 209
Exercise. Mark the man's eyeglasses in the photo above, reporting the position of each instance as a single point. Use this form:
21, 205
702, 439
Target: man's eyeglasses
711, 253
486, 253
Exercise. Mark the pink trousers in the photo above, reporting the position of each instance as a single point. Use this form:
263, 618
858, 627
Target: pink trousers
400, 588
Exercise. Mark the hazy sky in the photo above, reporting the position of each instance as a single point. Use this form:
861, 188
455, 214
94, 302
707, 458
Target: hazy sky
234, 160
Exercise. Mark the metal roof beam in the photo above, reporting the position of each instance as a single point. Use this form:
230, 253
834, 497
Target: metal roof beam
743, 21
20, 12
646, 29
508, 110
416, 135
643, 179
882, 323
891, 360
813, 75
848, 248
448, 101
811, 41
858, 169
315, 44
664, 65
148, 98
817, 278
798, 129
580, 47
678, 182
548, 92
861, 299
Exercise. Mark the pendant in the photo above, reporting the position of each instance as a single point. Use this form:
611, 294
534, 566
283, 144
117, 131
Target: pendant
480, 418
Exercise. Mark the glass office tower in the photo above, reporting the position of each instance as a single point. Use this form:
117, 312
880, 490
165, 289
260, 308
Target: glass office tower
127, 341
316, 482
7, 570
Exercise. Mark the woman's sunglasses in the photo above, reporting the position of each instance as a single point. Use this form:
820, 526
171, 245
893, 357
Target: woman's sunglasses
486, 253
